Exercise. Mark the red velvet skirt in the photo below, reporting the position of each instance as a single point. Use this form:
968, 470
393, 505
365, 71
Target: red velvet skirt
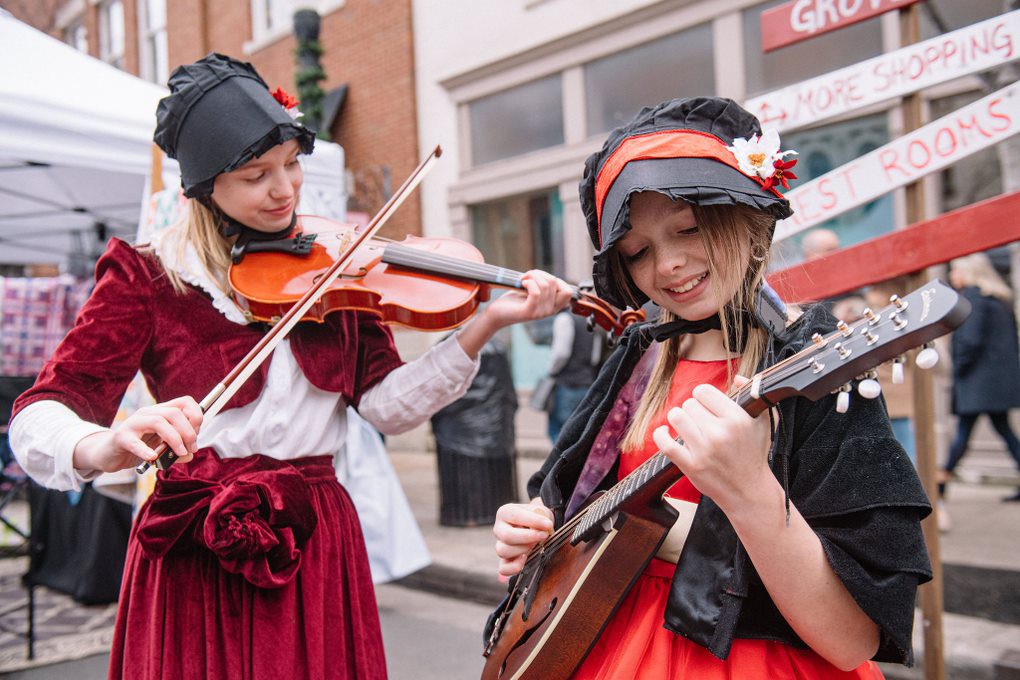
636, 646
248, 568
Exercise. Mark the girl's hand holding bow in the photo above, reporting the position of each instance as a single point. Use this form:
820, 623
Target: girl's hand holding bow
176, 422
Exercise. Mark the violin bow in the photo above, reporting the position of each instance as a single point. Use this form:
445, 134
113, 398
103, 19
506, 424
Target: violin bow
228, 387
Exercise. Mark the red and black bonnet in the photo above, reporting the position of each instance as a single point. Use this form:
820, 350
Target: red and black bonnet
703, 150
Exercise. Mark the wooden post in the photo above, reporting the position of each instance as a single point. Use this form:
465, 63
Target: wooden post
930, 594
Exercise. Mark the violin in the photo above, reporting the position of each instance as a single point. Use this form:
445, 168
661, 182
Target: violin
430, 284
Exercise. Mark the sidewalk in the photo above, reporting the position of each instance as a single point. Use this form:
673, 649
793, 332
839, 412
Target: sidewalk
980, 555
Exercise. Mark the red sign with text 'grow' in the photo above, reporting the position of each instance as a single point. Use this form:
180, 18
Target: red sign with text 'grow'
802, 19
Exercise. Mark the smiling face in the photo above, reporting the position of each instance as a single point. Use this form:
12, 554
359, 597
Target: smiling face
262, 193
667, 258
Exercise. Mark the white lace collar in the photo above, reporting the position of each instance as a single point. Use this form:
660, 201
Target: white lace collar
190, 269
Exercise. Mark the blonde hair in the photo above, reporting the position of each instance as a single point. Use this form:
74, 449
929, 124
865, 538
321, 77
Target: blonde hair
977, 270
726, 231
200, 228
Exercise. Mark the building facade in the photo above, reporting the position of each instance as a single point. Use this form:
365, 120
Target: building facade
366, 44
522, 91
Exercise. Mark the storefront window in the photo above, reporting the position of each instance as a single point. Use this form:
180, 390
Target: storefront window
521, 233
806, 59
522, 119
956, 14
824, 149
972, 178
618, 86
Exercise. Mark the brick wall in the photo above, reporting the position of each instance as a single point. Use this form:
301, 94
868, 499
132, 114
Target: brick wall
38, 13
368, 46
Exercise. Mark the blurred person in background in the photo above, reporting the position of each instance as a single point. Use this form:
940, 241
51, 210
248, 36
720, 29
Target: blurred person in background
574, 361
986, 360
819, 243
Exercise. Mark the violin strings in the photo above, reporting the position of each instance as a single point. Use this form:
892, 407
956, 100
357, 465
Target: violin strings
438, 263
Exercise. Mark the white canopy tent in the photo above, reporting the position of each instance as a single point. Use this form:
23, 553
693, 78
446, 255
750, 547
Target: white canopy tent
76, 150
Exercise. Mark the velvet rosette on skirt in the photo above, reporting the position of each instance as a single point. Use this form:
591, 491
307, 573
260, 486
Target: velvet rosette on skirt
248, 568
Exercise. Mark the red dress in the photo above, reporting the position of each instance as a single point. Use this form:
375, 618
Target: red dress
237, 568
635, 644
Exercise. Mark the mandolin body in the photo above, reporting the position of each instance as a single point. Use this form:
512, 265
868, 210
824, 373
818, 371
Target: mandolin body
564, 599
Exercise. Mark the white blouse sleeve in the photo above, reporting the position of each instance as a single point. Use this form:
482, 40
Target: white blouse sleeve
410, 394
43, 437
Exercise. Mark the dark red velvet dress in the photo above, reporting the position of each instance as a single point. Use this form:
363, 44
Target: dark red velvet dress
241, 568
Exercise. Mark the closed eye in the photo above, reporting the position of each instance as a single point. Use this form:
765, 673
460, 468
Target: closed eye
687, 232
634, 257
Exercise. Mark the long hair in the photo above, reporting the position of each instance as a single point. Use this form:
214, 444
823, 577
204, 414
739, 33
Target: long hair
727, 232
977, 270
200, 228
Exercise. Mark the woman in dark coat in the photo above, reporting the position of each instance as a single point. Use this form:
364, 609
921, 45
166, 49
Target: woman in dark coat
986, 358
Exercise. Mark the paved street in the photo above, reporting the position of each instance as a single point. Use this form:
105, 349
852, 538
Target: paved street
427, 638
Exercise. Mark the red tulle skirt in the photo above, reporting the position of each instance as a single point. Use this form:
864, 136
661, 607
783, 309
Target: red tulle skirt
636, 646
248, 568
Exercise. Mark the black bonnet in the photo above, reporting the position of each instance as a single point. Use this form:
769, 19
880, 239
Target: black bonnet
218, 116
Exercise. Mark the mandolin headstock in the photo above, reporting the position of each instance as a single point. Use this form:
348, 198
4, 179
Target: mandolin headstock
853, 350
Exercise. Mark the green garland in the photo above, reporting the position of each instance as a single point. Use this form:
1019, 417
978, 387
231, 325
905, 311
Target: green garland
309, 91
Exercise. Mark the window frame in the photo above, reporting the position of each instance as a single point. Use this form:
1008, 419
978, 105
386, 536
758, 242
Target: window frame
266, 30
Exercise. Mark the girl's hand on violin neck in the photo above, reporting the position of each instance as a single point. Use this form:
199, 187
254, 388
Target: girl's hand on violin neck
543, 295
520, 527
175, 422
724, 450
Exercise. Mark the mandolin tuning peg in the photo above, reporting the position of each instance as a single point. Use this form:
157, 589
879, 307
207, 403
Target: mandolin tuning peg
927, 357
897, 370
869, 388
843, 399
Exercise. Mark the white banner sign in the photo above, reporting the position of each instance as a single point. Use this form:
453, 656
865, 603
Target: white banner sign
982, 46
979, 125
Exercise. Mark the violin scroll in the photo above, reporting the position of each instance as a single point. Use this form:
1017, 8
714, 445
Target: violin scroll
601, 313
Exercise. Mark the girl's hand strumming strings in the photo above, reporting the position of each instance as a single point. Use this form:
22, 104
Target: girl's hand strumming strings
520, 527
724, 450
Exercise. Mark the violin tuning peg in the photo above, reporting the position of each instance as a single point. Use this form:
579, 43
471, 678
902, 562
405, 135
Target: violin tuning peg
869, 388
611, 339
897, 370
843, 400
590, 322
927, 357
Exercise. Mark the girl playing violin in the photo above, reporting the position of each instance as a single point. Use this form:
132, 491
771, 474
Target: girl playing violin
798, 548
248, 560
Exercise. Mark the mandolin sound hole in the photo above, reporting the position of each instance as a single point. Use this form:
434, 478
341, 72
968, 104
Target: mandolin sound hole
528, 633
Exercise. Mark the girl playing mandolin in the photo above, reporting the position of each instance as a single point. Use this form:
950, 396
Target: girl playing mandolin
798, 548
248, 560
